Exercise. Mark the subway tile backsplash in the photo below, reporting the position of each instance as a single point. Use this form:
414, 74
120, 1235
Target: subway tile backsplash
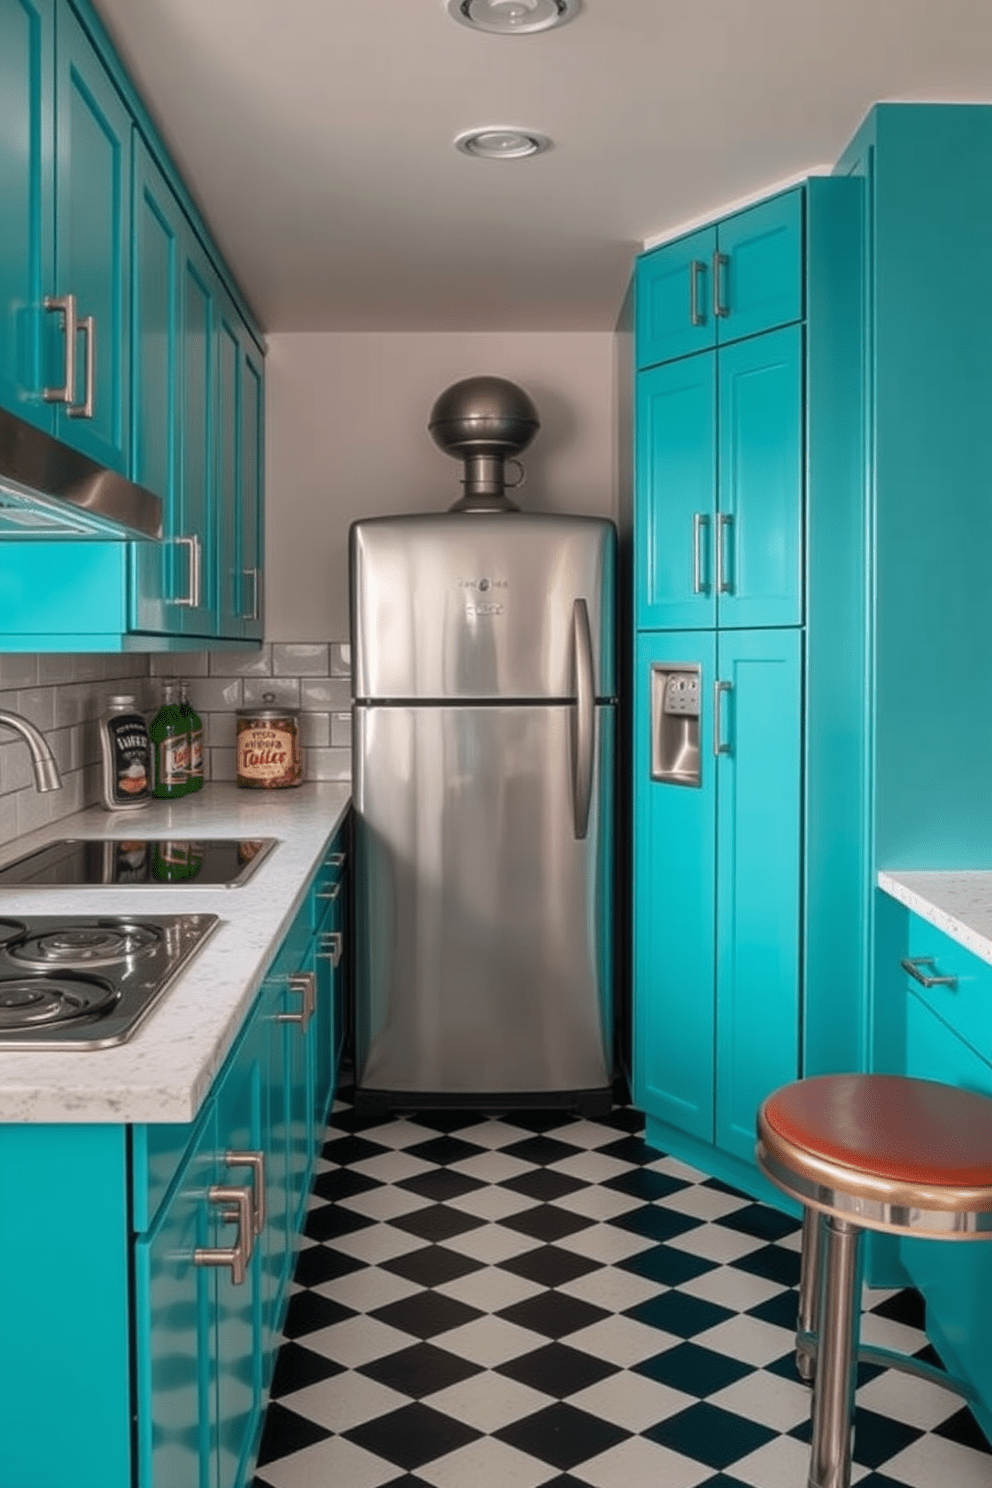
64, 695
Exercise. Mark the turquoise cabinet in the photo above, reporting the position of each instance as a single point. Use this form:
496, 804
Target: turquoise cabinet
27, 239
740, 276
719, 516
716, 905
330, 939
239, 411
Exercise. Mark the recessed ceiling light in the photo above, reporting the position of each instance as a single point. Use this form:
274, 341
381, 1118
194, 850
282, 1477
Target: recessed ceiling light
511, 17
500, 142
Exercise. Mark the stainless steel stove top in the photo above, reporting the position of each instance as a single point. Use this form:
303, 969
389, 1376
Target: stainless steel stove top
88, 981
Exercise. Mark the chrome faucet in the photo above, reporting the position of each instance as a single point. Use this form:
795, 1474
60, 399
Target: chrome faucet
46, 771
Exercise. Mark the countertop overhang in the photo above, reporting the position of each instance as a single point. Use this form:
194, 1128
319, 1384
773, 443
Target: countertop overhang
163, 1073
959, 903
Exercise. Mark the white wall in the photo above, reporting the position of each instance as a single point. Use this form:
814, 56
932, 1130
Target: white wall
346, 418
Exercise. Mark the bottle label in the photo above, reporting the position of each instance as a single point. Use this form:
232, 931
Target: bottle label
130, 757
196, 752
173, 760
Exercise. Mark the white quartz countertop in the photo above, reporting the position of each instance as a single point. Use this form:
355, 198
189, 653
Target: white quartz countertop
959, 903
163, 1073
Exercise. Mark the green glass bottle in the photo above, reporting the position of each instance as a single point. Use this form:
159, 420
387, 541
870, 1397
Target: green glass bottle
194, 729
170, 746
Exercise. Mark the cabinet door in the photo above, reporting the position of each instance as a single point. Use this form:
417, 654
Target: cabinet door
195, 596
230, 456
758, 542
758, 731
674, 907
674, 299
251, 529
27, 71
92, 254
758, 276
174, 1323
156, 388
239, 1306
676, 495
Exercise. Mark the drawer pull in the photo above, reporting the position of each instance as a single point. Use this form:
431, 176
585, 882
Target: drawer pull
335, 860
330, 891
304, 982
255, 1161
911, 966
332, 947
238, 1212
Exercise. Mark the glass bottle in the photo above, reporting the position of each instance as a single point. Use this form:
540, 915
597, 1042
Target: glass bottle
194, 729
126, 752
170, 746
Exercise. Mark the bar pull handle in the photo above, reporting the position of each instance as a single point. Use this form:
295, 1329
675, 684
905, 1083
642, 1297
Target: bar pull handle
237, 1210
720, 262
699, 521
65, 305
697, 317
255, 1161
253, 613
912, 964
719, 688
582, 718
335, 860
332, 947
723, 584
85, 409
304, 982
192, 598
329, 891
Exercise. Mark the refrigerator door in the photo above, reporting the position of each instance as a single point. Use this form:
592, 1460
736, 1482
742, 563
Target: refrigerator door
485, 917
479, 605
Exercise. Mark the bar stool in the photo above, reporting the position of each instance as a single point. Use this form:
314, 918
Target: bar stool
868, 1152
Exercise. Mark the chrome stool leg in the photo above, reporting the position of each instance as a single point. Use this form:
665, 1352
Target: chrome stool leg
809, 1294
838, 1330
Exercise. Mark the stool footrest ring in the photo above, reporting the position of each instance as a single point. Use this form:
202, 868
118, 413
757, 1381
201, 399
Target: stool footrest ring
806, 1350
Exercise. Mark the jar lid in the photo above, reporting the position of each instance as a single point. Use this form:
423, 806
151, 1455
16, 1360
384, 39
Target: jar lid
121, 700
247, 713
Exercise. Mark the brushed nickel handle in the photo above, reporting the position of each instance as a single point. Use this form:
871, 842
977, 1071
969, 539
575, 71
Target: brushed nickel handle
255, 1161
65, 305
719, 688
253, 613
699, 521
723, 585
911, 965
237, 1211
336, 860
697, 317
720, 262
191, 599
304, 982
330, 891
332, 943
583, 720
85, 409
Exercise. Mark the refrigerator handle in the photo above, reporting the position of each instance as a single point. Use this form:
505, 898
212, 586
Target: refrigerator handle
583, 718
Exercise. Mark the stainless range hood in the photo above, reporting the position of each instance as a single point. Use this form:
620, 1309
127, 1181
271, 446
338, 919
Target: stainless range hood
48, 490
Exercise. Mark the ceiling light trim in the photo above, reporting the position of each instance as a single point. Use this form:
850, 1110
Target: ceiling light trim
501, 142
511, 17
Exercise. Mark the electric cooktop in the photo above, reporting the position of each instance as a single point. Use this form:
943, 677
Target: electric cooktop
91, 861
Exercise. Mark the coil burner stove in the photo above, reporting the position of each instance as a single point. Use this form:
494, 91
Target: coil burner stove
88, 981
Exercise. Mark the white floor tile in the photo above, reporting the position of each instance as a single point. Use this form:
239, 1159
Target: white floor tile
622, 1340
933, 1462
676, 1169
391, 1167
492, 1167
597, 1202
590, 1167
637, 1462
884, 1333
631, 1401
486, 1463
399, 1132
780, 1463
729, 1287
332, 1461
605, 1243
747, 1339
713, 1242
492, 1202
701, 1202
491, 1243
492, 1134
489, 1341
917, 1402
587, 1134
345, 1401
489, 1401
367, 1289
378, 1242
385, 1202
490, 1289
357, 1341
775, 1402
612, 1288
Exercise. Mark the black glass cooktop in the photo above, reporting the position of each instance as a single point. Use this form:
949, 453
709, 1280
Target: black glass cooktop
90, 861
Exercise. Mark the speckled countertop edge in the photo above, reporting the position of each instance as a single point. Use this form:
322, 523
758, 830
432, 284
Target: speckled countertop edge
164, 1072
959, 903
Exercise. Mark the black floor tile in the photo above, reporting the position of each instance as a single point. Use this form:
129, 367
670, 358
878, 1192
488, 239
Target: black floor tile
412, 1435
643, 1183
708, 1434
298, 1366
655, 1223
695, 1370
437, 1222
308, 1311
419, 1370
349, 1149
547, 1222
286, 1432
782, 1309
543, 1185
549, 1265
316, 1264
542, 1150
678, 1313
342, 1183
440, 1185
431, 1265
444, 1150
965, 1430
905, 1307
666, 1266
554, 1314
773, 1263
759, 1220
557, 1370
329, 1221
426, 1314
562, 1435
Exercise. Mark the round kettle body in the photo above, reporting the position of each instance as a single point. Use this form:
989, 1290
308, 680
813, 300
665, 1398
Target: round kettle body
483, 421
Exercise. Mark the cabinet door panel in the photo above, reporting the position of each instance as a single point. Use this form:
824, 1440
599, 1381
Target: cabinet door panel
92, 256
227, 414
758, 870
676, 495
252, 481
674, 304
27, 61
761, 283
674, 907
760, 519
198, 302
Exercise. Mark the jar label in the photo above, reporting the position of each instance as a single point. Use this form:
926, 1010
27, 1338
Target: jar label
268, 754
131, 757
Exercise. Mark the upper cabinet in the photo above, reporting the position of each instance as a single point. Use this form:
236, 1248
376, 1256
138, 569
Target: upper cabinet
122, 335
733, 279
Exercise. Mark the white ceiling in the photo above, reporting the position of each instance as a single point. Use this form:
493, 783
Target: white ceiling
317, 137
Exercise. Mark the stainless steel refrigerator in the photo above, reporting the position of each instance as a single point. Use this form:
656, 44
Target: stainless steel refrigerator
483, 654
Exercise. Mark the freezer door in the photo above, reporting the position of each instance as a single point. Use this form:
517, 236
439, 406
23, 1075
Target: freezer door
483, 922
479, 605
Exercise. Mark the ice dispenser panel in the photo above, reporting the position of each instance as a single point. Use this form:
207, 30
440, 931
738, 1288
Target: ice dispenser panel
675, 693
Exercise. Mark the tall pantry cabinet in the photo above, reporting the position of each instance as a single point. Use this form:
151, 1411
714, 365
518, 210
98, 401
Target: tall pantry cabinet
731, 406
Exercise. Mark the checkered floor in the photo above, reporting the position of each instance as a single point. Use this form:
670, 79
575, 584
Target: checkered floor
538, 1299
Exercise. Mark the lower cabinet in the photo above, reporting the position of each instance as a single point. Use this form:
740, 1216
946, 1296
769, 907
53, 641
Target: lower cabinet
164, 1331
717, 760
